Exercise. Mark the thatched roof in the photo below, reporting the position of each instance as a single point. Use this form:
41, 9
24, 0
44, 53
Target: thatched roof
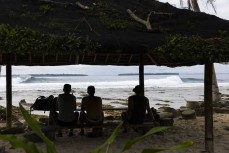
118, 37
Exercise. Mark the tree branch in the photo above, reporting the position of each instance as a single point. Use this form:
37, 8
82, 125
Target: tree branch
85, 7
145, 22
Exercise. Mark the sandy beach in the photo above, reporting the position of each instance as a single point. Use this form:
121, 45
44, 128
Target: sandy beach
181, 131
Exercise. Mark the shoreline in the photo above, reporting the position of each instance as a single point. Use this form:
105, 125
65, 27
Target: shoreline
174, 97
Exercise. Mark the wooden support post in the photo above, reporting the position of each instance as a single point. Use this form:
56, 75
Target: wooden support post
8, 91
208, 107
70, 58
82, 58
57, 57
152, 59
119, 57
0, 58
107, 57
94, 60
130, 59
30, 58
141, 72
77, 59
43, 59
15, 58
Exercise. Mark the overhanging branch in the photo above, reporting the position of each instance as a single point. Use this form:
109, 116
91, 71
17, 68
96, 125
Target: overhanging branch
85, 7
145, 22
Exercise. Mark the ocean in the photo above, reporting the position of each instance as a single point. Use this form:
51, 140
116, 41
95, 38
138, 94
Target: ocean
164, 86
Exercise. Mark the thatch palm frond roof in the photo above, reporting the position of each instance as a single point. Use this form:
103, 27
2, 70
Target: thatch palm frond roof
100, 32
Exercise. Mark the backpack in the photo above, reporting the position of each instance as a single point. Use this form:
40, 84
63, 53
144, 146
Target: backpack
44, 103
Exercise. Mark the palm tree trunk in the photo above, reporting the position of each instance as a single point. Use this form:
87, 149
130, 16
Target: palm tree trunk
216, 95
189, 5
194, 5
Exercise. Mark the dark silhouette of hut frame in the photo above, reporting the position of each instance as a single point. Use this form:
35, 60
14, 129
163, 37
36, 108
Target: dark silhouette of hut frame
114, 32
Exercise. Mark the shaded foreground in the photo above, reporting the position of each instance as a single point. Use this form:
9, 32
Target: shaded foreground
181, 131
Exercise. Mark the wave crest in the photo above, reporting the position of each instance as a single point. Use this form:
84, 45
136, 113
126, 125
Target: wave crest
23, 79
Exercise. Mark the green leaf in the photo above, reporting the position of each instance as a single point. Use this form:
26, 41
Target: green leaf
110, 140
183, 145
19, 142
36, 128
130, 143
153, 150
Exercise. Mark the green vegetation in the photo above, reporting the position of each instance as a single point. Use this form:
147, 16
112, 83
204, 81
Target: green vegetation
35, 13
194, 48
112, 23
31, 15
55, 25
180, 48
45, 8
27, 146
23, 40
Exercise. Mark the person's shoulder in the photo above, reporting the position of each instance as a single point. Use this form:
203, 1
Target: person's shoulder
84, 98
132, 96
74, 96
60, 95
97, 97
146, 99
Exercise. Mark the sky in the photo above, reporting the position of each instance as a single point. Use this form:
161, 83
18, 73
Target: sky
222, 7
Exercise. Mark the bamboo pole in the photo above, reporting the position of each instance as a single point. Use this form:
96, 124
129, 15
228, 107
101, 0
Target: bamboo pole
8, 91
208, 107
0, 58
141, 72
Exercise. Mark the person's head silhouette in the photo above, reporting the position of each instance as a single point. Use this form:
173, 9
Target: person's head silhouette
67, 88
91, 90
137, 89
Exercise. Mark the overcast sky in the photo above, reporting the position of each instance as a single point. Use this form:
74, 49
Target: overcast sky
222, 7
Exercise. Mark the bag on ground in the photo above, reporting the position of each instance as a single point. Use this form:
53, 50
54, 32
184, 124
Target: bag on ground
44, 103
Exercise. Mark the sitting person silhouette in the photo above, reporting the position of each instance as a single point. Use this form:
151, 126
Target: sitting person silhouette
91, 109
137, 106
66, 104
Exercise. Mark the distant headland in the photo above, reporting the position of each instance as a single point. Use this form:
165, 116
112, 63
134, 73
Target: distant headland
127, 74
40, 75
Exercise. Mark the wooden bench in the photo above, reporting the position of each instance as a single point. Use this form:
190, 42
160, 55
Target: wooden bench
51, 129
77, 126
104, 125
